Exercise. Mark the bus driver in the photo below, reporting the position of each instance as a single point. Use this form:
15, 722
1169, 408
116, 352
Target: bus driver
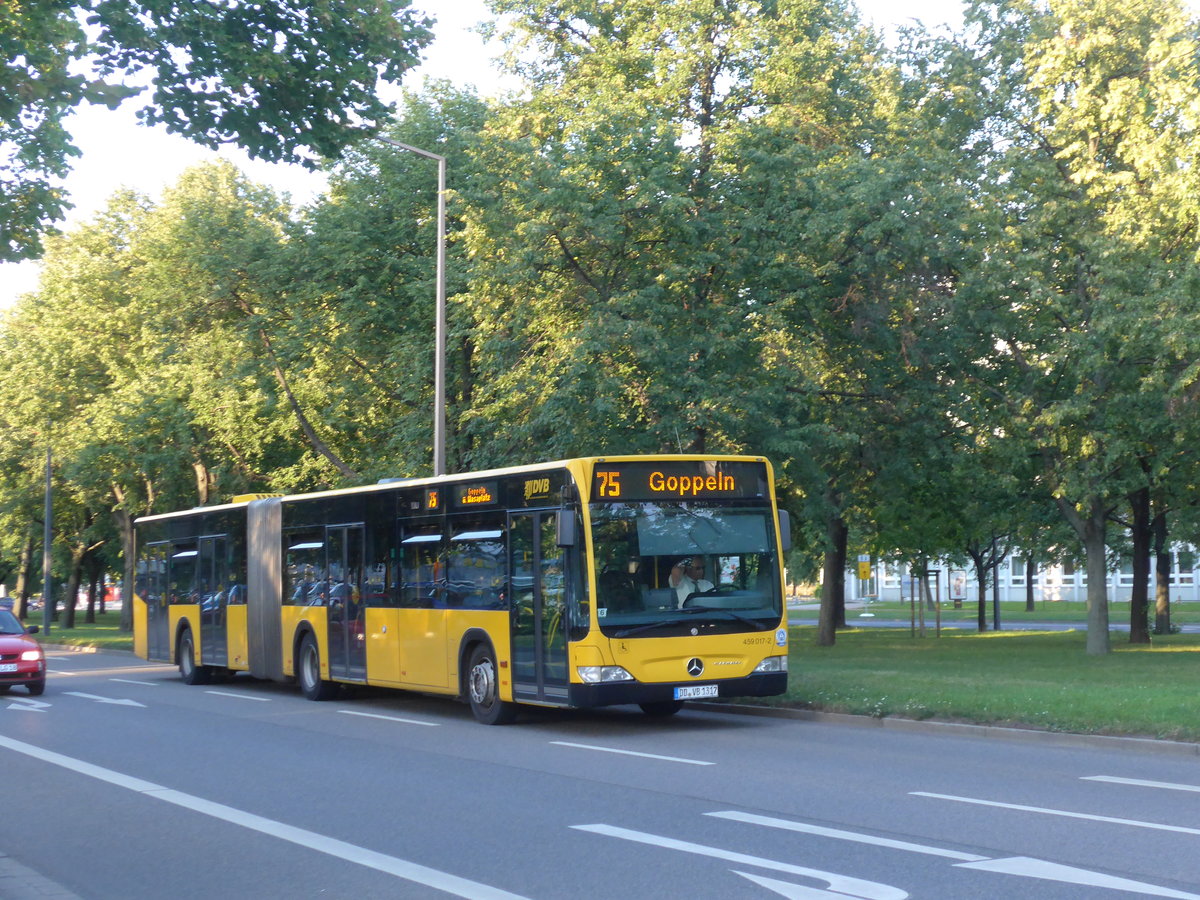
687, 577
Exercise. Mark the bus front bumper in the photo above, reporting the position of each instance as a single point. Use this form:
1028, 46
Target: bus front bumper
765, 684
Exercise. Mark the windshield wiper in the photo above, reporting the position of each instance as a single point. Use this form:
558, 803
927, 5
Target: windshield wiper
645, 627
688, 612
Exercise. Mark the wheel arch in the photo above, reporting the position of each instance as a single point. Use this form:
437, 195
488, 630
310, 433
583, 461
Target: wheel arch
471, 639
303, 629
184, 624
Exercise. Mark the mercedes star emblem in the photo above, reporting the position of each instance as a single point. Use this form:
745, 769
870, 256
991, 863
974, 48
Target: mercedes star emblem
695, 667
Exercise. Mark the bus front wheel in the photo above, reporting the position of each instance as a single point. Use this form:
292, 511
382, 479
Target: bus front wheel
483, 689
309, 670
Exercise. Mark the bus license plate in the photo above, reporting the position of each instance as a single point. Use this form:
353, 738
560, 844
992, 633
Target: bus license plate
8, 667
700, 690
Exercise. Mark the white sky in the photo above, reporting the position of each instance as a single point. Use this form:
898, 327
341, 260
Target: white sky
120, 153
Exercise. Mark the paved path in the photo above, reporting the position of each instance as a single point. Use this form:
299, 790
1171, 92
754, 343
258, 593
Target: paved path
858, 617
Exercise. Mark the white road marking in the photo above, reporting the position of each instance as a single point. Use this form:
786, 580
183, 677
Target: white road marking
391, 865
678, 759
840, 835
1017, 865
367, 715
1048, 871
100, 699
1138, 782
791, 891
842, 884
28, 703
131, 681
1157, 826
240, 696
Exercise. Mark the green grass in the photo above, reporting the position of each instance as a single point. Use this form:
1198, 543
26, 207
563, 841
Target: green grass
105, 634
1033, 679
1041, 680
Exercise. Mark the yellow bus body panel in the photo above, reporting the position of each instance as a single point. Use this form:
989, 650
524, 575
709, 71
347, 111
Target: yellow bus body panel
184, 612
492, 622
383, 650
422, 645
656, 660
141, 637
237, 644
315, 618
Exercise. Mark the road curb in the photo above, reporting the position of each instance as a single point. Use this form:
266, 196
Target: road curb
18, 882
962, 729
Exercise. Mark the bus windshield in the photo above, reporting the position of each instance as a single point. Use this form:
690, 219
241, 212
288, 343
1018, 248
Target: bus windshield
684, 567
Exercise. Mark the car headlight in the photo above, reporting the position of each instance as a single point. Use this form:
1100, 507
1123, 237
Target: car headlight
772, 664
31, 655
603, 674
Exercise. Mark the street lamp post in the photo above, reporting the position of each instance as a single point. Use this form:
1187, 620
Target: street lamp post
47, 557
439, 360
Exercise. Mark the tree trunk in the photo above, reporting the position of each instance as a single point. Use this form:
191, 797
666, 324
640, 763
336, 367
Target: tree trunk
124, 522
1091, 528
1030, 571
203, 482
95, 570
1095, 547
23, 574
995, 594
982, 581
73, 580
841, 554
1139, 599
1162, 575
834, 581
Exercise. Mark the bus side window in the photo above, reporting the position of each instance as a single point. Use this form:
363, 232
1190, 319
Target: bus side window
420, 567
475, 561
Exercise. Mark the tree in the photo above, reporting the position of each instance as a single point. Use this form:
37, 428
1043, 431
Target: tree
622, 250
1089, 271
293, 81
361, 267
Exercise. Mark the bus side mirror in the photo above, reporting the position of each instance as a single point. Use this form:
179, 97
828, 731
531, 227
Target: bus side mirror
785, 531
566, 528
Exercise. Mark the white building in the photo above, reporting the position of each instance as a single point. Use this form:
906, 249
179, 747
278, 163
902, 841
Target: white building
1052, 582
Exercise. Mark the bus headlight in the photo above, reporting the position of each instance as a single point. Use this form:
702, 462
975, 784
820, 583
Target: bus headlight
772, 664
602, 674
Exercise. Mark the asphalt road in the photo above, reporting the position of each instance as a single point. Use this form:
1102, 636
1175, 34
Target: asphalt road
125, 783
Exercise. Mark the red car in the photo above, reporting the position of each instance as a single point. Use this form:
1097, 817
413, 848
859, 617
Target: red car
21, 658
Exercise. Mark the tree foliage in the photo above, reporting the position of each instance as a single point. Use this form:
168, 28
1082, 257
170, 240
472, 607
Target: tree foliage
293, 81
949, 286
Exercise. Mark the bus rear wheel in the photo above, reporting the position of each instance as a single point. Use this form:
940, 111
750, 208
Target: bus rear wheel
308, 668
483, 689
189, 671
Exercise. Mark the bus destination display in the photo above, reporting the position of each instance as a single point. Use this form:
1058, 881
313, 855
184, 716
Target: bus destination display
620, 481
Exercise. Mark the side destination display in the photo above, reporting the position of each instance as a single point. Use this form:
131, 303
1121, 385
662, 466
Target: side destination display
701, 480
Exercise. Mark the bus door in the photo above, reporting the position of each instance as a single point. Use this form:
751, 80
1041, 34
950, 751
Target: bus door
347, 613
539, 640
212, 589
155, 592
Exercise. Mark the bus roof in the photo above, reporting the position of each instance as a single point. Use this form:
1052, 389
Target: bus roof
585, 463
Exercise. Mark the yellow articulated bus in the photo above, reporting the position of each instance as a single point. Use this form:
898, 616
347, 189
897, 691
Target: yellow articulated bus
648, 580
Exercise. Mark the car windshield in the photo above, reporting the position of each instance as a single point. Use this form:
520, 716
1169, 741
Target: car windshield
681, 568
10, 624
